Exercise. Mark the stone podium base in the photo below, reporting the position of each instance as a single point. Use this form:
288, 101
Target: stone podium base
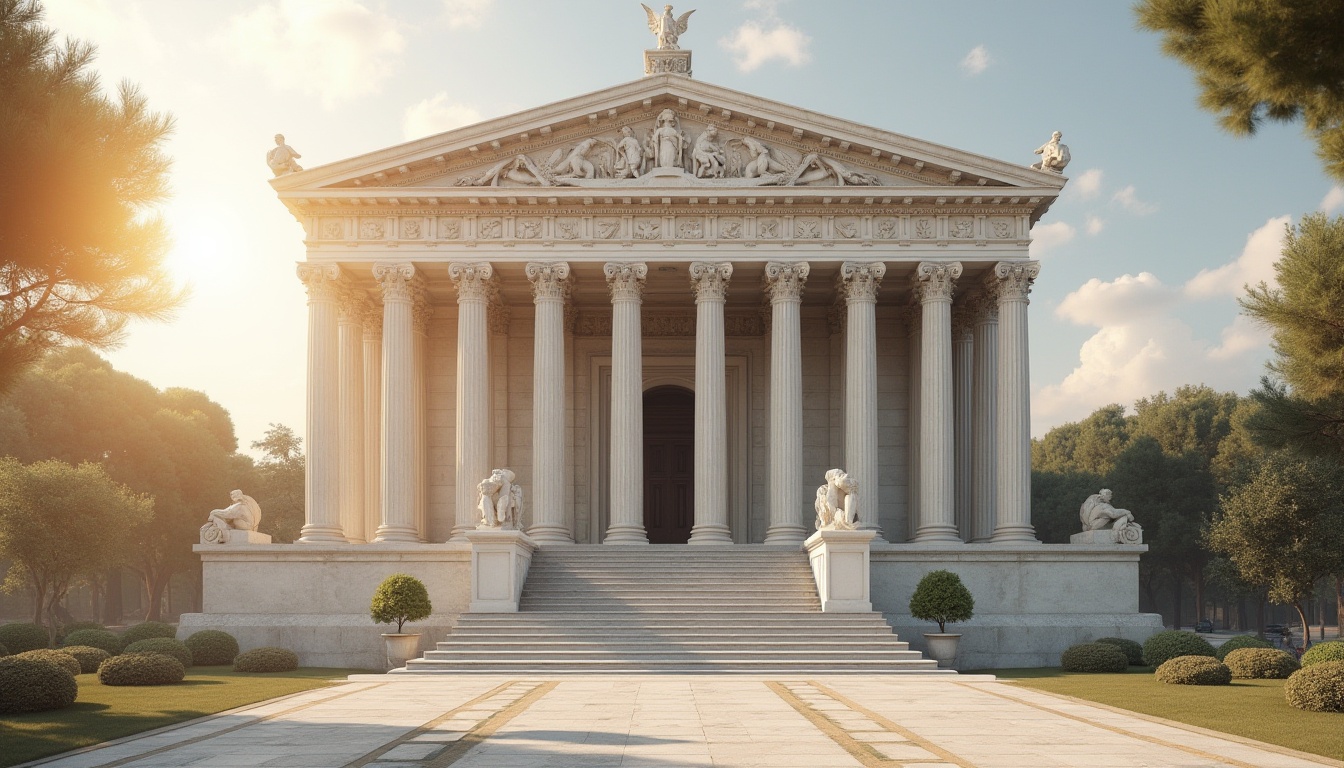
840, 566
1098, 538
499, 563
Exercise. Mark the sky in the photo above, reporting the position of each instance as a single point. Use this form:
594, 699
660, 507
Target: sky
1163, 222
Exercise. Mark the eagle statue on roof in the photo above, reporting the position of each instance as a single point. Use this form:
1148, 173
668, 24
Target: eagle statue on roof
667, 28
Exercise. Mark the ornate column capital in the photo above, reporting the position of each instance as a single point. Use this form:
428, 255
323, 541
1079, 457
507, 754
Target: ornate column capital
372, 320
354, 304
709, 279
321, 280
963, 321
913, 314
550, 280
421, 311
1014, 279
784, 280
398, 281
626, 279
935, 280
474, 281
859, 280
983, 302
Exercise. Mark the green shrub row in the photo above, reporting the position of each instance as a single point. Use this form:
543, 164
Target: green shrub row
1094, 657
1237, 643
1318, 687
266, 660
34, 685
1193, 670
141, 669
1164, 646
1321, 652
1261, 663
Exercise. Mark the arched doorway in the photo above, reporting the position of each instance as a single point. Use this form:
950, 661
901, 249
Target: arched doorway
669, 464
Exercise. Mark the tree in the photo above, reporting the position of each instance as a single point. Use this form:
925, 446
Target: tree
59, 521
1284, 528
1090, 445
1258, 60
280, 477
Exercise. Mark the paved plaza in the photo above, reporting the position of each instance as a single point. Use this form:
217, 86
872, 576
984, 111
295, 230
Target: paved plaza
679, 721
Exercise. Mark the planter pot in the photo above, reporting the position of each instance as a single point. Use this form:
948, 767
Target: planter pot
400, 648
942, 648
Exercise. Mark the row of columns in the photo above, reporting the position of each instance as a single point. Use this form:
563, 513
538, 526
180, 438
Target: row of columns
367, 398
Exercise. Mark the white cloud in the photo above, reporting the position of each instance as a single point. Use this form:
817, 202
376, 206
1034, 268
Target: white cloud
1242, 336
1254, 265
1088, 183
436, 115
117, 28
1045, 237
337, 49
752, 45
1128, 296
1333, 200
1128, 199
466, 13
1095, 224
976, 61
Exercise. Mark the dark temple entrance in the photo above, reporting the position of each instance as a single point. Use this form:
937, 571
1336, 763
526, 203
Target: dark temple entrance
669, 464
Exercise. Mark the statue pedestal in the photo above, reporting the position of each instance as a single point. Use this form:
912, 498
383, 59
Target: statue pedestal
499, 563
1107, 536
840, 566
660, 62
241, 537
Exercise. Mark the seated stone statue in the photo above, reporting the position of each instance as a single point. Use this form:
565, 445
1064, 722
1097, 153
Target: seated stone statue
1054, 156
282, 158
837, 503
1097, 514
244, 514
501, 501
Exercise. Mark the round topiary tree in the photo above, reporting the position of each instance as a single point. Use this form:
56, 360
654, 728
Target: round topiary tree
166, 646
1317, 688
400, 598
266, 660
89, 658
32, 685
1133, 651
1094, 657
1331, 651
21, 636
146, 630
96, 638
211, 647
141, 669
1239, 642
940, 596
61, 659
1173, 643
1261, 664
1193, 670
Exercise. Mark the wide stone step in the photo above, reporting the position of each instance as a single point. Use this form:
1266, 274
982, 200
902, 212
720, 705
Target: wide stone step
662, 645
686, 617
616, 606
626, 666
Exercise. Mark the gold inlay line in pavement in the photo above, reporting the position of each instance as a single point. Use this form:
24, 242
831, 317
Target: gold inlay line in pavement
485, 730
892, 726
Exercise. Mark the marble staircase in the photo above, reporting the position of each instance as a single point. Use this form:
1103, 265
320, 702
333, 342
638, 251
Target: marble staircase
671, 609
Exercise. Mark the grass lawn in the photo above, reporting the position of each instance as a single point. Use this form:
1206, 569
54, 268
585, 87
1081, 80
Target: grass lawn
1254, 709
104, 712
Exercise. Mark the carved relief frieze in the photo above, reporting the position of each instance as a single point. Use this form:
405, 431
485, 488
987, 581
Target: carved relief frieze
490, 228
568, 229
372, 229
690, 228
886, 227
450, 229
528, 228
847, 228
1002, 227
410, 229
925, 228
607, 229
730, 228
332, 229
648, 229
767, 228
807, 228
961, 227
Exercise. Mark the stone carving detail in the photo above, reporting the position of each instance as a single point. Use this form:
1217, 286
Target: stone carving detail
666, 143
321, 280
608, 228
671, 326
934, 281
962, 227
759, 164
1015, 279
410, 229
568, 229
373, 320
474, 281
497, 316
784, 281
1054, 156
244, 514
886, 229
924, 229
549, 280
647, 229
500, 502
767, 229
847, 228
281, 158
666, 28
707, 155
807, 229
450, 229
490, 229
529, 229
837, 503
859, 281
1002, 228
710, 280
398, 281
422, 311
730, 229
354, 304
1106, 523
983, 303
625, 280
371, 229
691, 229
629, 162
333, 229
673, 64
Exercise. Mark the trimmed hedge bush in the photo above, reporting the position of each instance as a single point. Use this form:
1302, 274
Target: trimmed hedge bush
166, 646
88, 657
19, 636
1193, 670
266, 660
141, 669
1318, 688
1261, 664
146, 630
32, 685
1331, 651
1164, 646
1094, 657
61, 659
1133, 651
3, 650
212, 647
96, 638
76, 626
1239, 642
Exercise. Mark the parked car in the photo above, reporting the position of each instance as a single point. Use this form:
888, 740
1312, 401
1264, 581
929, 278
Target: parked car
1203, 625
1278, 629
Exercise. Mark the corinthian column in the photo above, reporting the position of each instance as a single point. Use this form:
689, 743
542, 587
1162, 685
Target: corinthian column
322, 522
1014, 443
399, 283
373, 418
710, 282
354, 304
937, 513
475, 288
963, 361
421, 313
986, 375
550, 289
859, 282
626, 282
784, 285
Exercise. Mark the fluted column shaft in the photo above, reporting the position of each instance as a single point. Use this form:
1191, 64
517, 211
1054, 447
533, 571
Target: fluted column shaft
937, 510
984, 426
351, 335
963, 363
550, 289
322, 522
1014, 417
398, 282
626, 282
784, 285
859, 282
421, 312
373, 418
710, 282
912, 316
476, 287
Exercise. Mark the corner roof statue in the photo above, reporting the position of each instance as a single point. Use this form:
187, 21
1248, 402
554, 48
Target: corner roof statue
667, 29
281, 158
1054, 156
